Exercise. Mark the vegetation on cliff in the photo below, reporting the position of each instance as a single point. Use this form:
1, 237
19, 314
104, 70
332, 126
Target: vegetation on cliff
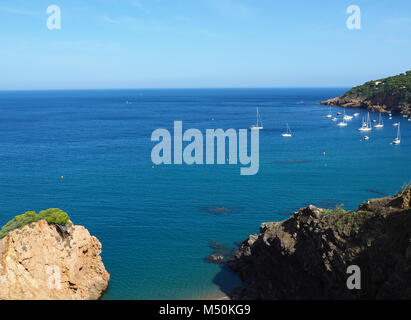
392, 94
397, 86
52, 216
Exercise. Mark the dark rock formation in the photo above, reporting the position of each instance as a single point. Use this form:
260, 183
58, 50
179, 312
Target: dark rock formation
384, 105
307, 255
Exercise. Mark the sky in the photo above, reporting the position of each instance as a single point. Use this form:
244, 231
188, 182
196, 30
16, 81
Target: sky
113, 44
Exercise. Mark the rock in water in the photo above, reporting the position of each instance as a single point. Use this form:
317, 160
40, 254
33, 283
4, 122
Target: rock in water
307, 255
45, 261
214, 258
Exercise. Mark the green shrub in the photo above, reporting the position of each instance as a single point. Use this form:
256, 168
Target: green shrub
339, 209
52, 216
352, 221
55, 216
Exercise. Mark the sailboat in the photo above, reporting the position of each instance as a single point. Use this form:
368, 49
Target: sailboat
347, 117
366, 124
257, 126
329, 115
398, 138
380, 123
396, 124
343, 123
288, 133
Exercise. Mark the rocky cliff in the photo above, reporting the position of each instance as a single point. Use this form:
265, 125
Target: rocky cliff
47, 261
392, 94
307, 256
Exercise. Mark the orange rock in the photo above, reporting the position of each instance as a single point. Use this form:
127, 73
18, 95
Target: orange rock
45, 261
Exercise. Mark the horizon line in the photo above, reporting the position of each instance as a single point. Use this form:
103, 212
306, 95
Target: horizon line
174, 88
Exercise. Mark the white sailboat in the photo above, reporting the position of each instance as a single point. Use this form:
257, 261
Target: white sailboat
288, 133
347, 117
334, 119
380, 123
356, 114
366, 124
329, 115
343, 123
398, 138
259, 124
396, 124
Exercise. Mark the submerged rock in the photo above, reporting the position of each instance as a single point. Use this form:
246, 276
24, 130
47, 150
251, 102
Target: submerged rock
214, 258
46, 261
220, 210
307, 255
221, 253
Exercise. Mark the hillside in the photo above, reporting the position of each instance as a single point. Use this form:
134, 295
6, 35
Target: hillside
392, 94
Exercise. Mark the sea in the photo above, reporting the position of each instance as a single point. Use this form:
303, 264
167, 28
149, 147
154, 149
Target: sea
89, 153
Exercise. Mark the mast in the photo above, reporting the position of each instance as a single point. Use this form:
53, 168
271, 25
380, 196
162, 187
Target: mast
261, 121
257, 117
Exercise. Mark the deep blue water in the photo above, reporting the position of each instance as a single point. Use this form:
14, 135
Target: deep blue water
149, 221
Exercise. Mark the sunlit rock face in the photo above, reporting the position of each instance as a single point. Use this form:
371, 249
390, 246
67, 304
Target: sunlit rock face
46, 261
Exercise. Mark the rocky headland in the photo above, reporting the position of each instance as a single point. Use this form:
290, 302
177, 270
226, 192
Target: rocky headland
307, 255
392, 94
49, 261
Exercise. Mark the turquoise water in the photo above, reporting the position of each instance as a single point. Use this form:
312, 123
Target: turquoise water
150, 222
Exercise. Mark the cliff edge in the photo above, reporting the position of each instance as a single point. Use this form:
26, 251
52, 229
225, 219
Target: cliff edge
43, 261
307, 255
392, 94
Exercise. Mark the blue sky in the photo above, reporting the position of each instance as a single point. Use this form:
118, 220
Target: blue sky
201, 43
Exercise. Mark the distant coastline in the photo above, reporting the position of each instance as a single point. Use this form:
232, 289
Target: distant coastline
388, 95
